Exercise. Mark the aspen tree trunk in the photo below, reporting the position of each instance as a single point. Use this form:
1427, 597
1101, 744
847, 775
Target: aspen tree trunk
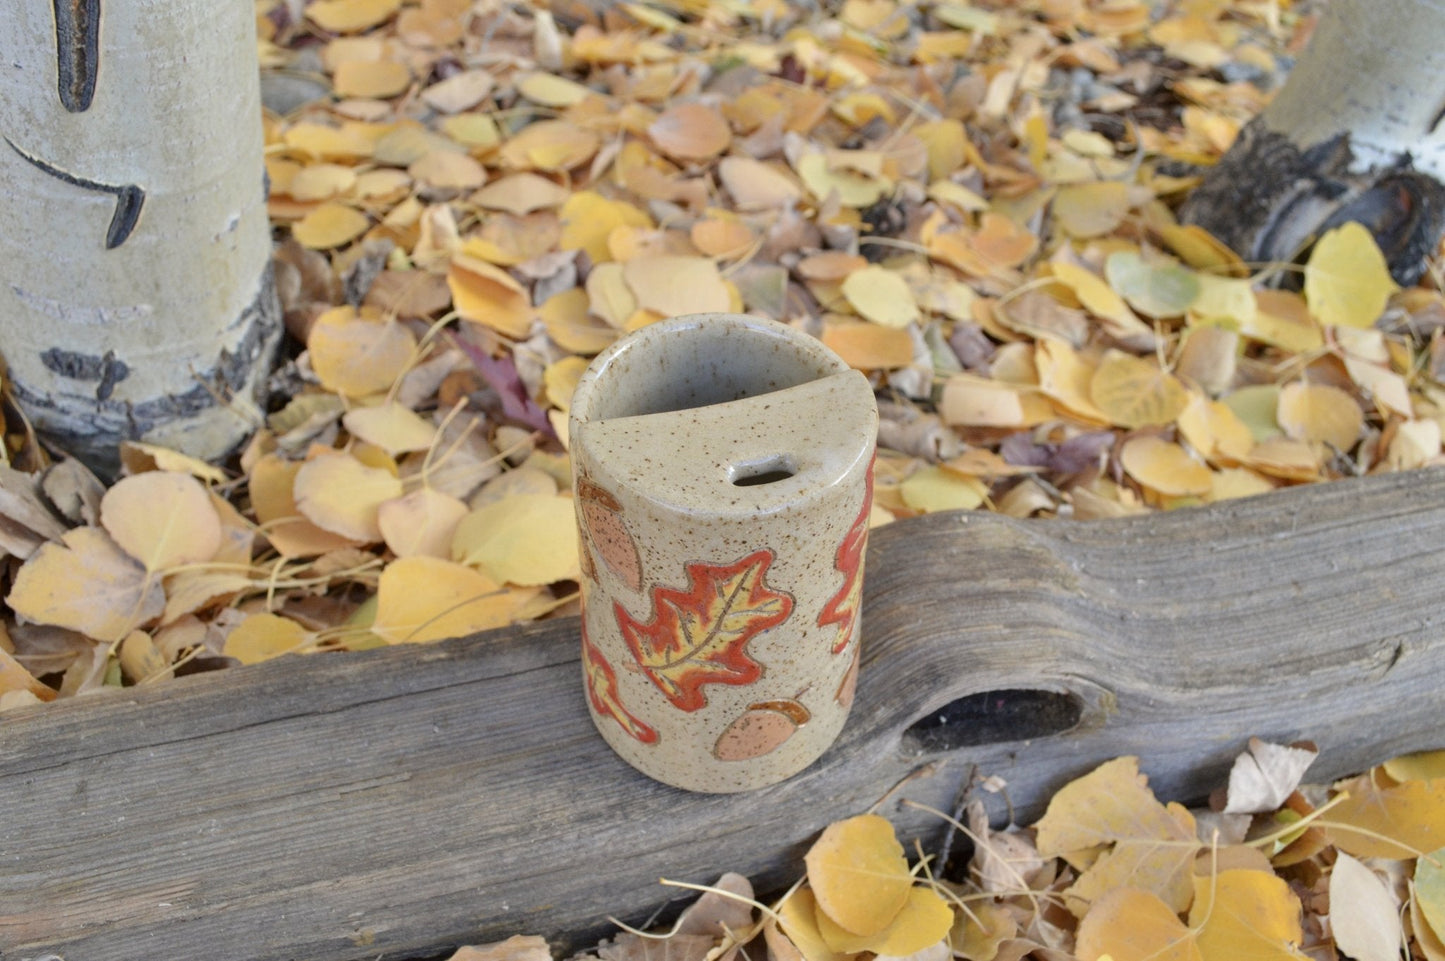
136, 297
1355, 133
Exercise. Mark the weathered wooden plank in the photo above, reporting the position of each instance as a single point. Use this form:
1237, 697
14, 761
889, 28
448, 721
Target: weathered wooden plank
397, 802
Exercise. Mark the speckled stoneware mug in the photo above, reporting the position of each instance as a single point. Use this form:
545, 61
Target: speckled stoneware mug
724, 479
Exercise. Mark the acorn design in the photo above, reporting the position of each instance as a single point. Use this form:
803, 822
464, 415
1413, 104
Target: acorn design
608, 534
763, 728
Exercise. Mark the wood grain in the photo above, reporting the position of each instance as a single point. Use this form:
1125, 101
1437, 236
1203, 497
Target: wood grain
403, 801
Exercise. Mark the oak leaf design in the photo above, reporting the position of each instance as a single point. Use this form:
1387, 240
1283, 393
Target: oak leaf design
700, 636
602, 692
842, 607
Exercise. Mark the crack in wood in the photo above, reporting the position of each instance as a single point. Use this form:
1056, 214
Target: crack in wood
129, 198
77, 52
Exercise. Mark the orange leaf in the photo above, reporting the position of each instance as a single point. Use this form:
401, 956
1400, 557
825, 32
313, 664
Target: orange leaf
488, 295
700, 636
869, 346
603, 693
376, 79
1165, 467
1002, 242
755, 185
691, 131
842, 607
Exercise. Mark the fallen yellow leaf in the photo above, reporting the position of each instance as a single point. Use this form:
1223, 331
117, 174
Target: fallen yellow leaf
162, 519
882, 296
924, 920
14, 677
690, 131
853, 189
88, 584
487, 295
1134, 392
1379, 819
140, 660
330, 225
525, 539
550, 90
1422, 766
272, 486
1153, 849
340, 494
422, 522
1347, 281
1092, 209
351, 16
428, 599
261, 637
588, 219
672, 285
356, 356
798, 916
1320, 414
1165, 467
934, 488
1215, 431
1065, 376
1245, 914
392, 427
1128, 924
858, 874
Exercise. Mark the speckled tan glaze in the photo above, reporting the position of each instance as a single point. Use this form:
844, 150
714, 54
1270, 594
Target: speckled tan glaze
662, 425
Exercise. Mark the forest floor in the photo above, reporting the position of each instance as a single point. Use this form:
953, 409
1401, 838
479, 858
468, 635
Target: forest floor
973, 204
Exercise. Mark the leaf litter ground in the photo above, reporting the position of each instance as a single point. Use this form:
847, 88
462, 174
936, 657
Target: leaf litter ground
972, 203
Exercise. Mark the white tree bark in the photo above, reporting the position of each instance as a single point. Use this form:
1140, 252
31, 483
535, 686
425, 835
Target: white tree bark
1375, 70
136, 298
1357, 132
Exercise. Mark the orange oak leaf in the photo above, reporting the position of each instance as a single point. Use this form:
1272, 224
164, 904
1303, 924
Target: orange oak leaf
842, 607
602, 692
700, 636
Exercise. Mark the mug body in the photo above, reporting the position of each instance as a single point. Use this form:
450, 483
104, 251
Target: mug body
723, 481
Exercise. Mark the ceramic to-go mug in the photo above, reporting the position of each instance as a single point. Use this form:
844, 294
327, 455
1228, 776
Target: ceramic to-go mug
723, 477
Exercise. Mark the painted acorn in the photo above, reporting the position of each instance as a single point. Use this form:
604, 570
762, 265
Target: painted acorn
763, 728
608, 534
